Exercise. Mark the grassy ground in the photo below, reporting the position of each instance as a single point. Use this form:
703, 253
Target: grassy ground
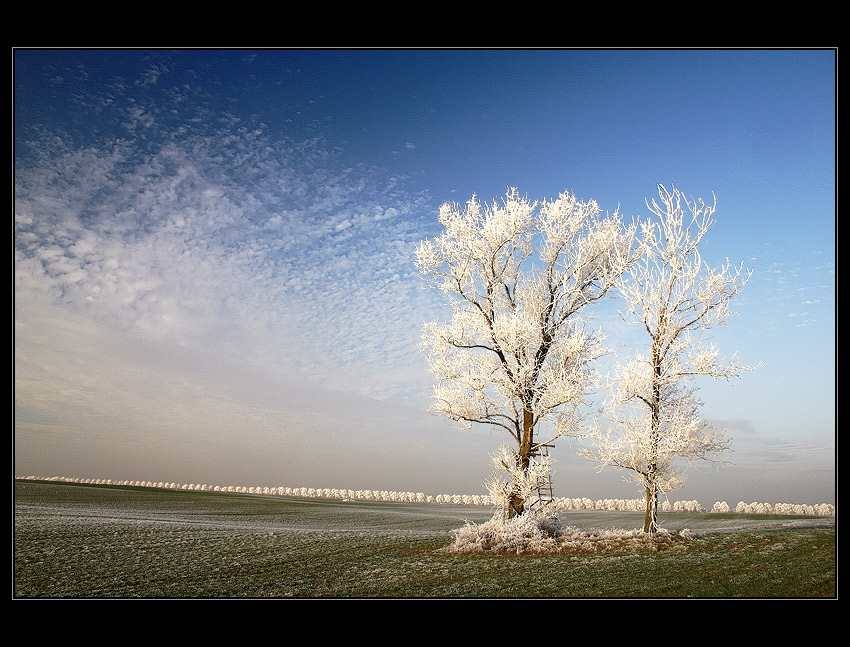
98, 541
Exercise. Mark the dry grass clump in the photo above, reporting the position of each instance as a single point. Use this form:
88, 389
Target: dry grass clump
532, 535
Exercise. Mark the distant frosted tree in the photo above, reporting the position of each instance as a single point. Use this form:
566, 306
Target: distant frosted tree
520, 278
674, 296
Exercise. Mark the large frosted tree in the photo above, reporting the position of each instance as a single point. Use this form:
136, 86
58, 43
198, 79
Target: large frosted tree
674, 297
521, 278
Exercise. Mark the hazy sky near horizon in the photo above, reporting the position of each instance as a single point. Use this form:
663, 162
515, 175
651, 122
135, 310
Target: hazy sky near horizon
214, 278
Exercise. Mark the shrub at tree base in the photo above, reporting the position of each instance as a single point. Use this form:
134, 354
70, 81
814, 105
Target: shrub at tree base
532, 535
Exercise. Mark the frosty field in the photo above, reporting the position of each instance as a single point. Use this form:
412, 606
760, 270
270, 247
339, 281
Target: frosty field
105, 541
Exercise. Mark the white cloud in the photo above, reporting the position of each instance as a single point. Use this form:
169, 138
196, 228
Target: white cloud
188, 243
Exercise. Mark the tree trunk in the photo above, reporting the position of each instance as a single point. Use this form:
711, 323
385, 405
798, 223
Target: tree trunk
516, 505
650, 523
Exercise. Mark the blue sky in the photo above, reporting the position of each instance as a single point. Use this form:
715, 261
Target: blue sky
214, 277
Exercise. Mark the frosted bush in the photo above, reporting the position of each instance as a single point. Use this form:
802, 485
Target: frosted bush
523, 534
531, 534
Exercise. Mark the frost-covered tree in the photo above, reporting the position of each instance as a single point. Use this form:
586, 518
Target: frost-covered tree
674, 296
521, 278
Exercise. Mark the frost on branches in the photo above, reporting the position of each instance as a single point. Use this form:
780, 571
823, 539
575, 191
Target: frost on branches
519, 277
652, 401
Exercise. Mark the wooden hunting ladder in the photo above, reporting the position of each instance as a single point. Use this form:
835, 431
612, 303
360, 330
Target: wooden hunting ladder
544, 482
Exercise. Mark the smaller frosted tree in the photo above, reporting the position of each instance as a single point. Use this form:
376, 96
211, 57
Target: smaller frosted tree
674, 296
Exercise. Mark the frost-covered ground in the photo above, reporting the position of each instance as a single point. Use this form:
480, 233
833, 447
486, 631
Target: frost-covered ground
100, 541
105, 541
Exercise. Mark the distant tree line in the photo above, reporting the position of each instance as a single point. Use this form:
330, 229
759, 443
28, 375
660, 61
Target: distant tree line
392, 496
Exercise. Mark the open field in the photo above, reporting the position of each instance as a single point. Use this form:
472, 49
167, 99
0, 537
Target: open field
107, 541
